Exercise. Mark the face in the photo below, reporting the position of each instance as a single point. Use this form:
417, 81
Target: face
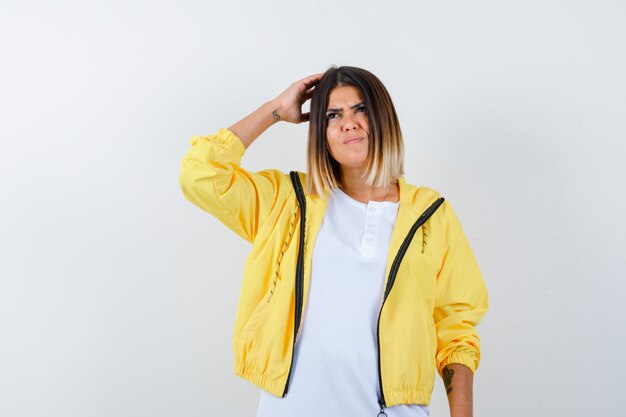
347, 131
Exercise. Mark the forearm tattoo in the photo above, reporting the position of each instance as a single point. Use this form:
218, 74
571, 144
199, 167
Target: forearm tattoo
275, 115
447, 379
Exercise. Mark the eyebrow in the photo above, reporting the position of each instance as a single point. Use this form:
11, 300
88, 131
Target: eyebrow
351, 107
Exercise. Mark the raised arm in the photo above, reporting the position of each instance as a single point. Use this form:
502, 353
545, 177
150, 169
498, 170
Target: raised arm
211, 176
286, 107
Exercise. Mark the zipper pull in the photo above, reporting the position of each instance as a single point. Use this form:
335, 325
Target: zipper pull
382, 410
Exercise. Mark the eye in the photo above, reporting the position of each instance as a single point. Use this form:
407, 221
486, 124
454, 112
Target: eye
330, 116
361, 109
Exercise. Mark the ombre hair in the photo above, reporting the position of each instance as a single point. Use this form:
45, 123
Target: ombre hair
385, 159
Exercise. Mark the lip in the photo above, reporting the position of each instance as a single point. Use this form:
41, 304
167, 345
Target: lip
352, 140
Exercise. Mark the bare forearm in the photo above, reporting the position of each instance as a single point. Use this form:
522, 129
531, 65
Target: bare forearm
458, 380
250, 127
286, 107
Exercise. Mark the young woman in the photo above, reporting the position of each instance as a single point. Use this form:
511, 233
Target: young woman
359, 286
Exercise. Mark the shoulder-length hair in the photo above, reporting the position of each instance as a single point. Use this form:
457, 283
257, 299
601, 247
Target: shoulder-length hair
385, 160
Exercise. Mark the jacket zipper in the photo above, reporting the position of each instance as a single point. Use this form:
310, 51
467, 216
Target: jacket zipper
299, 287
390, 281
299, 270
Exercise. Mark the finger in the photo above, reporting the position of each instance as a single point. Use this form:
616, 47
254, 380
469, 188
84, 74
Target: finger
314, 76
309, 94
312, 80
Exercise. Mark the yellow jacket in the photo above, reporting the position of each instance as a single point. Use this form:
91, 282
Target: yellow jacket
431, 307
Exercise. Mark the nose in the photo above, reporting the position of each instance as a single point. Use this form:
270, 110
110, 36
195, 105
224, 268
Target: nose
350, 122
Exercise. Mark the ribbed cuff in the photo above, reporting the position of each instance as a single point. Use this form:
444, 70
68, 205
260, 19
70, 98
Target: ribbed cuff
228, 138
464, 358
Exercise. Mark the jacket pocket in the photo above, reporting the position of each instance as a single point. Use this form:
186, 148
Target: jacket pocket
247, 332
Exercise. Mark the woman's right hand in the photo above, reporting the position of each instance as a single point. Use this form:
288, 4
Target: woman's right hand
289, 102
288, 105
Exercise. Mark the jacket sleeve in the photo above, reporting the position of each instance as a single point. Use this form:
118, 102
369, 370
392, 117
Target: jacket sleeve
211, 177
461, 300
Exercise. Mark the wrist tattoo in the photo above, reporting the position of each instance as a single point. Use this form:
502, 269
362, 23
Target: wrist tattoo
447, 379
275, 115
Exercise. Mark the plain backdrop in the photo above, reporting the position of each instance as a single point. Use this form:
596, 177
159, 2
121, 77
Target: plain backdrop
118, 297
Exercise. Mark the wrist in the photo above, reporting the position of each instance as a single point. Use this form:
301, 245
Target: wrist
275, 110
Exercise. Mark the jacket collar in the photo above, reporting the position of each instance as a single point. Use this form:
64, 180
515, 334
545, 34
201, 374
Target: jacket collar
413, 200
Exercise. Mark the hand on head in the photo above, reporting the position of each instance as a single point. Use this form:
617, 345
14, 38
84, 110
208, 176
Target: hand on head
290, 101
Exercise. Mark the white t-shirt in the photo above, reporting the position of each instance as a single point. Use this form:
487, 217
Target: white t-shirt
335, 366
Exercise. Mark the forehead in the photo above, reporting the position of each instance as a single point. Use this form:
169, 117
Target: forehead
344, 96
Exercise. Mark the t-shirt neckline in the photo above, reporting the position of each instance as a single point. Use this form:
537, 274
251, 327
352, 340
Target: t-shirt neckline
352, 201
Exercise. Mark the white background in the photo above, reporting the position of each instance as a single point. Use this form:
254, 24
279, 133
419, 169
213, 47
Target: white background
118, 297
